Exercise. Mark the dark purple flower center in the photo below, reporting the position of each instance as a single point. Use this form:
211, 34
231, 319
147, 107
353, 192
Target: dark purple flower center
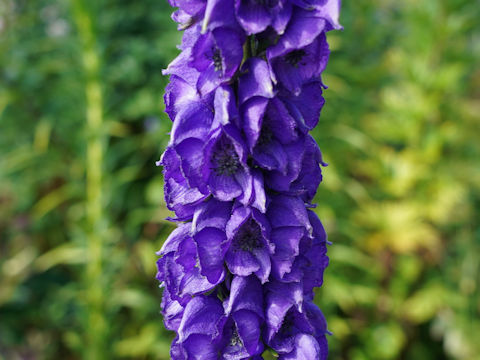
225, 160
267, 3
288, 325
217, 60
294, 57
266, 136
235, 339
248, 237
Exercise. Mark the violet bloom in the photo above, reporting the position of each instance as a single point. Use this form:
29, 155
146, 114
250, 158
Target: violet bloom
216, 55
177, 268
241, 173
225, 167
249, 250
255, 16
244, 309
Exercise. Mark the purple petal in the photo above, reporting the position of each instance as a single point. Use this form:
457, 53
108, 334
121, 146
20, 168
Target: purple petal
245, 180
230, 44
210, 244
271, 156
174, 239
287, 243
211, 213
194, 283
281, 181
203, 315
306, 107
225, 106
284, 126
301, 66
208, 80
259, 199
172, 312
191, 153
282, 16
219, 13
263, 258
193, 121
241, 263
178, 94
248, 325
202, 52
245, 294
252, 16
200, 347
280, 299
306, 348
288, 211
256, 80
181, 198
239, 216
302, 30
224, 187
252, 113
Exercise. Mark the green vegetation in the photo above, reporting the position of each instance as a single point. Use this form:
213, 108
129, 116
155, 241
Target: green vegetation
81, 208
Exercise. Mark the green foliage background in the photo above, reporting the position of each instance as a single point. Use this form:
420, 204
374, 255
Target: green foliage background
81, 208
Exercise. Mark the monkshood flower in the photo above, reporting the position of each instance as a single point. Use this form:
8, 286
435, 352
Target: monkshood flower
207, 155
255, 16
217, 56
241, 172
177, 268
232, 328
301, 53
300, 334
232, 236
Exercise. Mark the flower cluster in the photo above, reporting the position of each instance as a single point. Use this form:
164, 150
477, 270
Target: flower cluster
241, 171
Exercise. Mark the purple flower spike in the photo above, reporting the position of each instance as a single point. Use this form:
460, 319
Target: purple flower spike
241, 173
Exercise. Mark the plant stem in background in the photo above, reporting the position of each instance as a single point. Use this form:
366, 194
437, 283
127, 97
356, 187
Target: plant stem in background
96, 325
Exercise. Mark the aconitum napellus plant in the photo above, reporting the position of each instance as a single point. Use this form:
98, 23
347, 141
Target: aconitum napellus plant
241, 171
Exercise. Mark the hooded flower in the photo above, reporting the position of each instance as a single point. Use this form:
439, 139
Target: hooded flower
216, 55
303, 173
255, 16
244, 307
209, 225
188, 12
270, 130
200, 330
172, 311
225, 169
290, 224
300, 335
179, 196
327, 9
306, 106
248, 233
293, 67
177, 269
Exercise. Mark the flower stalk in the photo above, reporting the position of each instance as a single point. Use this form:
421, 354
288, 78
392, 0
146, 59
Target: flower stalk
95, 321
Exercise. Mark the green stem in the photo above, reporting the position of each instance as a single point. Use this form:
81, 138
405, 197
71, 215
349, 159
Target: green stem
96, 324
